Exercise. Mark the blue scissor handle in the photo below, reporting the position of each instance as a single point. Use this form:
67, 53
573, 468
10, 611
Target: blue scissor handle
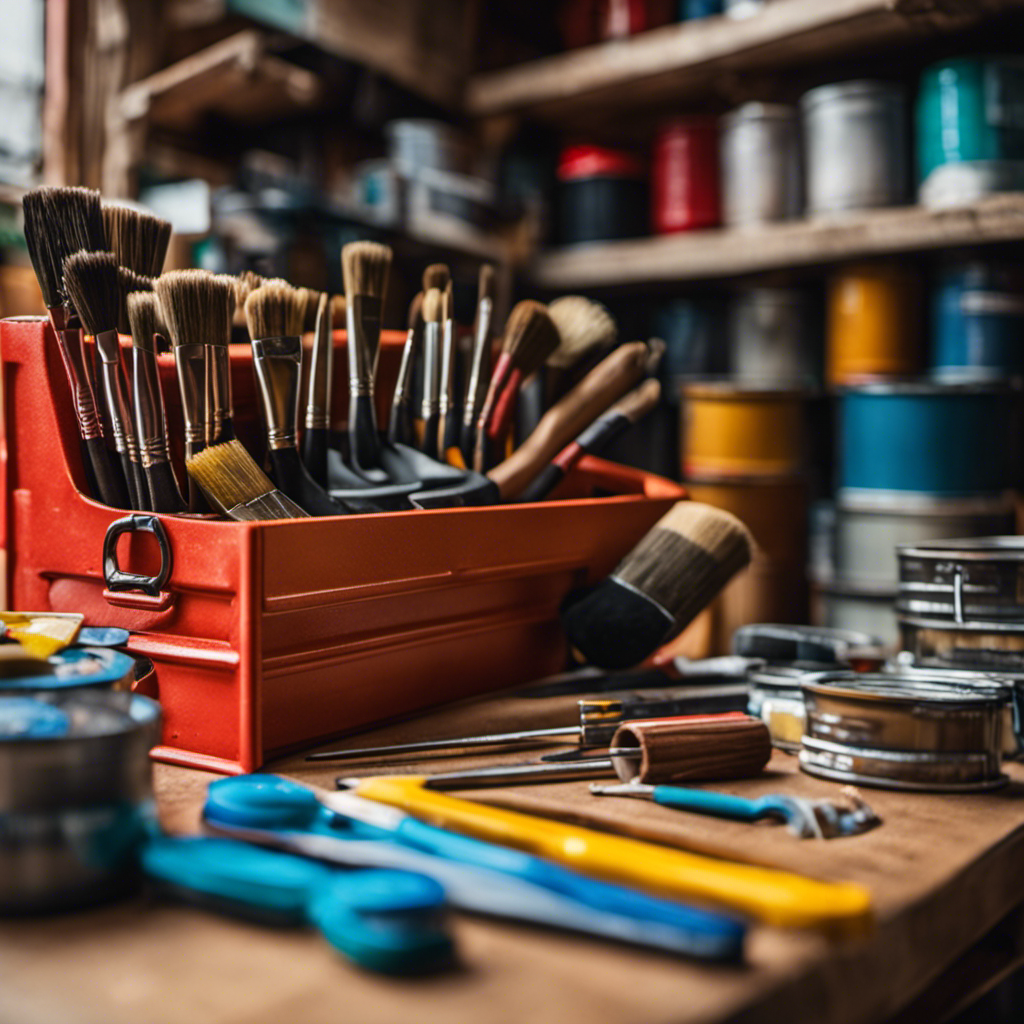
721, 805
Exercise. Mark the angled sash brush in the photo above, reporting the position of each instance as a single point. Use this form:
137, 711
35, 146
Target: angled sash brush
94, 287
236, 486
148, 400
430, 407
137, 238
659, 587
400, 425
59, 222
530, 337
365, 266
480, 362
317, 435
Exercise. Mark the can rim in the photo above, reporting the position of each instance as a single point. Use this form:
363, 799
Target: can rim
918, 386
1008, 548
854, 87
897, 687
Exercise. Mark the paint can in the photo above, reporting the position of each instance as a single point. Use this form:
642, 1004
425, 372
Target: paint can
975, 645
978, 322
970, 128
602, 195
868, 533
692, 330
767, 344
415, 144
854, 145
921, 437
760, 165
873, 323
685, 176
838, 605
904, 732
732, 430
776, 697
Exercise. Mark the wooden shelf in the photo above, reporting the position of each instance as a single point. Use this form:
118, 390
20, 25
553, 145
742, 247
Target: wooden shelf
729, 253
668, 64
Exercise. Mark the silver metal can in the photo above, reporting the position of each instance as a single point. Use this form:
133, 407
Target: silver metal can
767, 337
415, 144
855, 146
760, 164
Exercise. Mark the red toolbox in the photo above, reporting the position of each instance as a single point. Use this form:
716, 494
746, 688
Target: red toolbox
271, 636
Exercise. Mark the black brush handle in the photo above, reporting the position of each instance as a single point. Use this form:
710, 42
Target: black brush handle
196, 499
141, 486
128, 469
467, 442
314, 452
291, 477
430, 426
227, 431
110, 485
362, 432
400, 430
163, 489
450, 435
544, 483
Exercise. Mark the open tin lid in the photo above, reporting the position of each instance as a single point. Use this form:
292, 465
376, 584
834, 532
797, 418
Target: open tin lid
917, 688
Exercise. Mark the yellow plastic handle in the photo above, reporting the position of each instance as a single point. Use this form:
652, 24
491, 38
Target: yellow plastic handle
766, 894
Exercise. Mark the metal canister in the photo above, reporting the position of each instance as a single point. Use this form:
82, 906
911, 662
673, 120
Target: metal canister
839, 605
767, 337
873, 323
922, 437
415, 144
602, 195
975, 645
776, 697
904, 732
692, 330
731, 430
978, 322
855, 148
760, 164
868, 533
685, 176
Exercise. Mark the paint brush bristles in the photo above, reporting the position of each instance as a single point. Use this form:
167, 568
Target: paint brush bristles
130, 282
93, 286
583, 327
366, 266
437, 275
137, 238
275, 310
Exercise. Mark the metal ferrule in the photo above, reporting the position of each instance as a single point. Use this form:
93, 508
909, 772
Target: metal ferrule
278, 362
149, 408
405, 368
69, 341
190, 361
109, 348
220, 388
321, 375
272, 505
481, 344
446, 385
363, 322
431, 369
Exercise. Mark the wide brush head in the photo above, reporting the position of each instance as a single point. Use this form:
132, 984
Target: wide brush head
660, 586
93, 286
191, 302
228, 474
437, 275
138, 239
366, 266
433, 306
583, 327
530, 336
275, 310
60, 221
144, 319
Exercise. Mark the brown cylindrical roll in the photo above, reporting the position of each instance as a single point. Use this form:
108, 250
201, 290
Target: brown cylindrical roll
705, 748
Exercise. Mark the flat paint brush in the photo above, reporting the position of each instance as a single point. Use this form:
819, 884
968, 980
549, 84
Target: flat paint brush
430, 408
400, 425
480, 361
234, 484
448, 411
659, 587
59, 222
274, 313
366, 266
93, 285
585, 329
129, 282
530, 337
317, 435
148, 402
605, 429
138, 238
220, 418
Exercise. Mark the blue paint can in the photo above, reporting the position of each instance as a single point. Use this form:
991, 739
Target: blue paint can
921, 437
978, 322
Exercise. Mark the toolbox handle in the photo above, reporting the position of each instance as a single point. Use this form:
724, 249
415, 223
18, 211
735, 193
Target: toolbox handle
115, 577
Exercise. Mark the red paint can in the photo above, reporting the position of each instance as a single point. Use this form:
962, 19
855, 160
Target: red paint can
685, 179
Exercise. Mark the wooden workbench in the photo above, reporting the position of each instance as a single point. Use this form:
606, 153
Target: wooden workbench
946, 873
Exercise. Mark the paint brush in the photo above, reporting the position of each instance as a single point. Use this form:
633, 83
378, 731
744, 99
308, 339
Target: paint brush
274, 313
530, 337
317, 435
130, 282
59, 222
245, 283
585, 330
605, 429
93, 286
433, 315
234, 484
220, 418
138, 238
148, 401
480, 361
448, 411
659, 587
400, 425
365, 266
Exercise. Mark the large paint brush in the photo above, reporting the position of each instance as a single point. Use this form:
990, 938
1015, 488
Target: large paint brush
137, 238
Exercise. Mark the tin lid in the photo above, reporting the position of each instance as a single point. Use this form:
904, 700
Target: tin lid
917, 689
848, 90
759, 112
791, 676
968, 549
585, 161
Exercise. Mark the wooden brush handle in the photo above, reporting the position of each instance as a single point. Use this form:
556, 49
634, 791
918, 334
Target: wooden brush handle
605, 384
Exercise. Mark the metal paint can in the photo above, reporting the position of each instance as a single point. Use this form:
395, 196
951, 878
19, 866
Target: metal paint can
904, 732
979, 646
873, 323
685, 176
868, 533
970, 111
978, 322
692, 330
776, 697
767, 342
602, 195
760, 164
729, 430
854, 145
922, 437
838, 605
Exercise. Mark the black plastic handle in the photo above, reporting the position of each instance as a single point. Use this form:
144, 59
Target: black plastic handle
116, 578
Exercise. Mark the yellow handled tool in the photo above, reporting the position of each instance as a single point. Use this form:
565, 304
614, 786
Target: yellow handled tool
765, 894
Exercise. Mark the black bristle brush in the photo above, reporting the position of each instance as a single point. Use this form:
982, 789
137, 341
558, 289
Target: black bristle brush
480, 363
274, 313
366, 266
148, 400
659, 587
93, 284
137, 238
317, 435
59, 222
